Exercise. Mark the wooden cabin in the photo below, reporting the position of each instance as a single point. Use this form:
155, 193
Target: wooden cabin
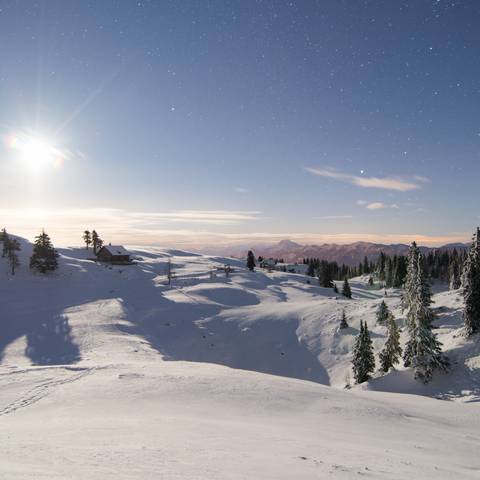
114, 254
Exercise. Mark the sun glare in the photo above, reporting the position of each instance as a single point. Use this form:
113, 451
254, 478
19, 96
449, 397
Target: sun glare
35, 153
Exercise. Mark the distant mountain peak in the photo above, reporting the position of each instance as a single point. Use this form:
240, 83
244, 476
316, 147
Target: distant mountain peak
288, 244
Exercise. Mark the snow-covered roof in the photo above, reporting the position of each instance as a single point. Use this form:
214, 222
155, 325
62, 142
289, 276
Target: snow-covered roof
116, 250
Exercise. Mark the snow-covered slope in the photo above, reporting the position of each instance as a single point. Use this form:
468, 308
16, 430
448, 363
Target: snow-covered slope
108, 372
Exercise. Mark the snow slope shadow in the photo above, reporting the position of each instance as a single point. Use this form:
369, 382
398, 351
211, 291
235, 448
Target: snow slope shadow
199, 331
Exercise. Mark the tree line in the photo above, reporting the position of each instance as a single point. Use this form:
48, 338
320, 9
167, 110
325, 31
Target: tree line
444, 265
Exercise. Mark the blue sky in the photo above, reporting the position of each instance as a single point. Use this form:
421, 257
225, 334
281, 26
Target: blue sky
192, 122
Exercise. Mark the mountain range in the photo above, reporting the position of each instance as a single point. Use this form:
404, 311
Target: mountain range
348, 254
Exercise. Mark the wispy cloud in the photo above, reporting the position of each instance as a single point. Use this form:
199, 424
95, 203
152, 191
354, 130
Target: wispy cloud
421, 179
241, 190
217, 217
386, 183
376, 206
379, 205
335, 217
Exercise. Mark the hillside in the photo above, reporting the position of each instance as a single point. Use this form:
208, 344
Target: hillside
108, 372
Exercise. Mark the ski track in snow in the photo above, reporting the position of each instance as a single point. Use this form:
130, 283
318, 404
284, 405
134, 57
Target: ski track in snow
42, 390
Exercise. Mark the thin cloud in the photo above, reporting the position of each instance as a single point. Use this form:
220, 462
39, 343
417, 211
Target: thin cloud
241, 190
386, 183
422, 179
376, 206
198, 216
380, 206
335, 217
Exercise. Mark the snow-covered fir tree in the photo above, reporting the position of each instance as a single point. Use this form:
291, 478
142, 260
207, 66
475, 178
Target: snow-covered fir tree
346, 290
416, 283
382, 313
454, 281
343, 321
44, 256
471, 287
391, 353
423, 350
87, 238
250, 261
363, 361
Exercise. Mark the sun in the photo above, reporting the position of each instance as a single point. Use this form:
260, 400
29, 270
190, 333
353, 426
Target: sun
35, 152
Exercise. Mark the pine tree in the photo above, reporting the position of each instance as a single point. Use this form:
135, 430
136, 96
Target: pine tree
389, 273
381, 267
250, 261
346, 290
13, 248
44, 256
416, 283
311, 269
399, 272
343, 321
366, 265
454, 282
391, 353
471, 287
5, 240
87, 238
423, 350
325, 275
97, 242
363, 360
382, 313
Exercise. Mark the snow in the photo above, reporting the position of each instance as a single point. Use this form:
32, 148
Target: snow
116, 249
109, 373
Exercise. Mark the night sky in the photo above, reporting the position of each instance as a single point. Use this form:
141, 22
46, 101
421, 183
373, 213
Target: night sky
200, 121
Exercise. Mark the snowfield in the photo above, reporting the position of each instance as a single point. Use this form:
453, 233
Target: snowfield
110, 373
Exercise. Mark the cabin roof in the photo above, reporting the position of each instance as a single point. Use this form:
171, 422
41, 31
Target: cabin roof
115, 250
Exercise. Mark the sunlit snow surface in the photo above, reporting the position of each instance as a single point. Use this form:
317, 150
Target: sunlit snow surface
109, 373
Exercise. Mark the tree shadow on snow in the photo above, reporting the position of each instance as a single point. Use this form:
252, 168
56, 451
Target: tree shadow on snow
50, 343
